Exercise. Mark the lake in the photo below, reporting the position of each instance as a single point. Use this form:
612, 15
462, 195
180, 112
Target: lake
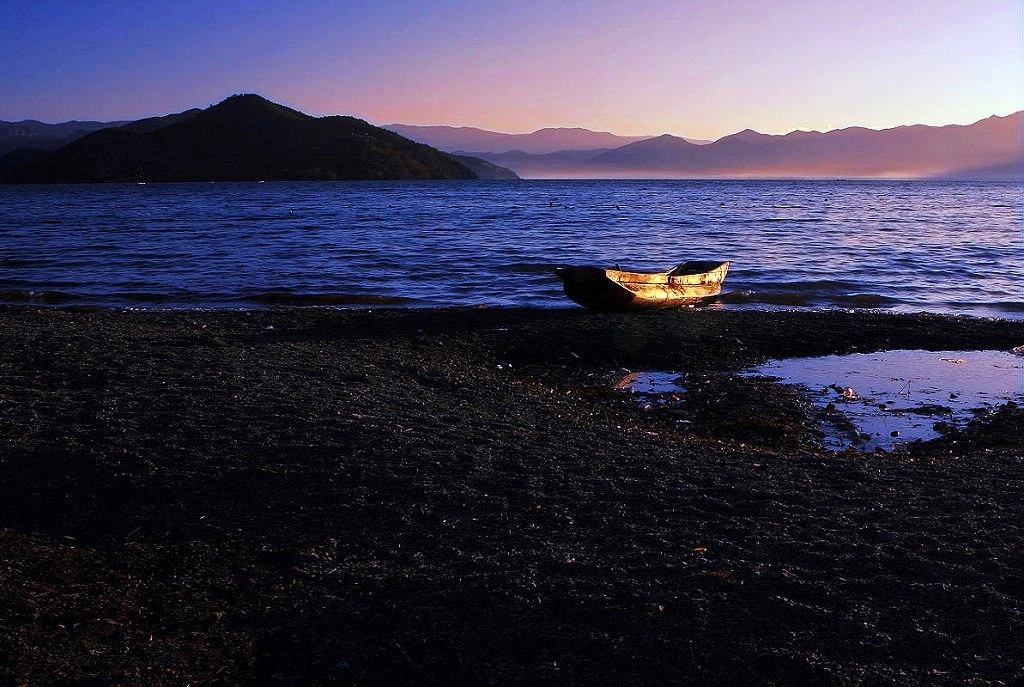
908, 246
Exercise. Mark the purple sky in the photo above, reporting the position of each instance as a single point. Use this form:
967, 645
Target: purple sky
694, 68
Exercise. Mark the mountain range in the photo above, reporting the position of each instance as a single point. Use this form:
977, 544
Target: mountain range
991, 148
243, 138
298, 146
540, 142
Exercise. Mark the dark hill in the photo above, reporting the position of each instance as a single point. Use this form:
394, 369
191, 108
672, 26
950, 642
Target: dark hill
19, 158
243, 138
144, 126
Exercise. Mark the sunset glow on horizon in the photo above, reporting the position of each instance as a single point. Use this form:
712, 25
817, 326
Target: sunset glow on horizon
686, 68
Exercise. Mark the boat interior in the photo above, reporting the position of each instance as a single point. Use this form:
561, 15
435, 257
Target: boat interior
695, 267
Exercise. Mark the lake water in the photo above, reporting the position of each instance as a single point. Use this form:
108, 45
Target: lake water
899, 245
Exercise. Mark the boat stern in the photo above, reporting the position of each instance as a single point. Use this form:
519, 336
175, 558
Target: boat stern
591, 288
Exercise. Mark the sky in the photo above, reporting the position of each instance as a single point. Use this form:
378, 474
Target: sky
696, 68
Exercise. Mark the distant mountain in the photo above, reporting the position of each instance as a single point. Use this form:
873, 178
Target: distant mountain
663, 152
557, 165
245, 137
539, 142
484, 168
33, 134
994, 143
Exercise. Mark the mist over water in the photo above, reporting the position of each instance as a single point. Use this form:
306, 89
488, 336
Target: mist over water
897, 245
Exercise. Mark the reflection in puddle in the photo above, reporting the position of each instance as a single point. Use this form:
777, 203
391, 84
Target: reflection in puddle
652, 388
887, 399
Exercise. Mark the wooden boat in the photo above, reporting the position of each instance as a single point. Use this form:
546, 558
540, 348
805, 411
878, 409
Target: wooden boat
604, 290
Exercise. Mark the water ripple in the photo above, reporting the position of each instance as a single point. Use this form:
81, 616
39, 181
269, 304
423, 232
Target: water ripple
939, 246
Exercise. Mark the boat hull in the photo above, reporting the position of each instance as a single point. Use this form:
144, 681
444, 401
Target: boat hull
619, 291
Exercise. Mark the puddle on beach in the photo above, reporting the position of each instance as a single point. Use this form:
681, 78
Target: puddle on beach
891, 398
651, 388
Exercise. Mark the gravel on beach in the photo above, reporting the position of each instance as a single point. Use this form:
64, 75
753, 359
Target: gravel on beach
461, 497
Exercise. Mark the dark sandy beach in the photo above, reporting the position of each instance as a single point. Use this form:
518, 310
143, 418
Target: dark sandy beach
458, 497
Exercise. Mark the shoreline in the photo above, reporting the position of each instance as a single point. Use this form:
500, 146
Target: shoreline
458, 496
730, 301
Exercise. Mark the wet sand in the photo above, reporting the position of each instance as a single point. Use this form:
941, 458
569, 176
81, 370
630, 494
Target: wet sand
459, 497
